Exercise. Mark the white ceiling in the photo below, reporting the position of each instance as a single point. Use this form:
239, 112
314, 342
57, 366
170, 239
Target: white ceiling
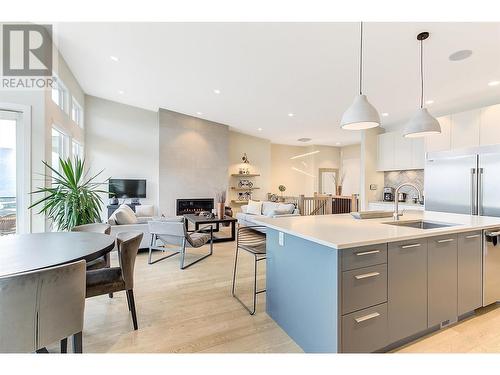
267, 70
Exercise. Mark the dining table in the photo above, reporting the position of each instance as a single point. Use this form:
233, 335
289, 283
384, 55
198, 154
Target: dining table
29, 252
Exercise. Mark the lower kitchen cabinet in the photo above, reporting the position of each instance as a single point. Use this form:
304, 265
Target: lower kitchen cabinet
407, 288
442, 279
365, 331
469, 271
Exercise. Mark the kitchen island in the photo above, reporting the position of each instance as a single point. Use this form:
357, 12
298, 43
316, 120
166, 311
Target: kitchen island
338, 284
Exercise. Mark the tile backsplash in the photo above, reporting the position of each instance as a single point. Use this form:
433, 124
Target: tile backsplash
395, 178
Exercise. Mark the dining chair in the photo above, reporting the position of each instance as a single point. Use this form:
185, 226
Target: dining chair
251, 239
103, 261
172, 231
41, 307
116, 279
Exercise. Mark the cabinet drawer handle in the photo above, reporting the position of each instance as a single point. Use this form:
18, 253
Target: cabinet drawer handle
366, 275
410, 246
368, 252
366, 317
493, 234
447, 240
472, 236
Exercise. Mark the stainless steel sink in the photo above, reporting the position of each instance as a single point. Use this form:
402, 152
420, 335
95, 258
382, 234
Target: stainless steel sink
420, 224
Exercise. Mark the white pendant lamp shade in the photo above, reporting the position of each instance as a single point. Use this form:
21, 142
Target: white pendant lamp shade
360, 115
422, 124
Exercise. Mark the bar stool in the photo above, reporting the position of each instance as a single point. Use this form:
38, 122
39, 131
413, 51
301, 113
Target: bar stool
253, 240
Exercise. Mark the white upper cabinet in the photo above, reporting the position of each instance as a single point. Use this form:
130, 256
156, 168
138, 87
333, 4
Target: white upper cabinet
490, 125
385, 152
465, 129
418, 153
403, 152
440, 142
396, 152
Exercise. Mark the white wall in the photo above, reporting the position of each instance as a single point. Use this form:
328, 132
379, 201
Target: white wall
369, 174
350, 157
122, 140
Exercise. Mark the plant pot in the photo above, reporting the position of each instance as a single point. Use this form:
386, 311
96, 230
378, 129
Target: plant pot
339, 190
220, 209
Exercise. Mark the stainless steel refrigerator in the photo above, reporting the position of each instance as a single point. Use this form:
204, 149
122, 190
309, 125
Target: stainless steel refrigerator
468, 182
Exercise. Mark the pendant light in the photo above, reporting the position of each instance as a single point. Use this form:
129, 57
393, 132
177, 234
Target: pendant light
422, 123
361, 114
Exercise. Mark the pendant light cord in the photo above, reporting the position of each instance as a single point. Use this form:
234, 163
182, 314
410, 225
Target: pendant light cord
361, 60
422, 73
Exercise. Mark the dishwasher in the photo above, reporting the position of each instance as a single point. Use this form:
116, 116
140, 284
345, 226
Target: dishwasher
491, 266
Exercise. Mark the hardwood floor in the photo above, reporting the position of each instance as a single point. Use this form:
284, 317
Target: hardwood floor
193, 311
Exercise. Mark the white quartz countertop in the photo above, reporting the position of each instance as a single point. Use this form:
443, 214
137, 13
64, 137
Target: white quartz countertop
344, 231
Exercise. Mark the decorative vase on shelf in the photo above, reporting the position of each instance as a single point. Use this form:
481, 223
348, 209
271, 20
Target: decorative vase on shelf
221, 207
339, 190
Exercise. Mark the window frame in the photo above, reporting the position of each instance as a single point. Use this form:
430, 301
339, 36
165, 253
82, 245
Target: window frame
63, 94
79, 114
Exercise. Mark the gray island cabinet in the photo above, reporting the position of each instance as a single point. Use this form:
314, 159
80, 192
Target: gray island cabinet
371, 298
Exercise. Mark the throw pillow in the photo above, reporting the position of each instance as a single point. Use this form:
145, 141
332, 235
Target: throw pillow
127, 209
123, 217
288, 207
267, 207
144, 210
274, 213
254, 208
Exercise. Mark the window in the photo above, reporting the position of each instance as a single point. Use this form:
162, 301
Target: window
60, 148
8, 201
60, 94
76, 112
77, 149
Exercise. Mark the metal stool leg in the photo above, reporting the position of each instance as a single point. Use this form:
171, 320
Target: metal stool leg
255, 291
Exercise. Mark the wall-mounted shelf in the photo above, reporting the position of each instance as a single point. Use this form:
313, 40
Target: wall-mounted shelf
238, 202
243, 189
244, 175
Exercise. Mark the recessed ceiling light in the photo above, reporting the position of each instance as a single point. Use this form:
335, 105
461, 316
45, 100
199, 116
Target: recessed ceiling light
121, 92
216, 91
460, 55
385, 114
494, 83
259, 129
291, 114
114, 58
199, 113
429, 101
304, 139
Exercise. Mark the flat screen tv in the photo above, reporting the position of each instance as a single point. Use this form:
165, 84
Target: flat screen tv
127, 188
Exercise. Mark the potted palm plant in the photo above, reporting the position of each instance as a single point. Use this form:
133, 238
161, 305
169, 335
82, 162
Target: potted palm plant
72, 198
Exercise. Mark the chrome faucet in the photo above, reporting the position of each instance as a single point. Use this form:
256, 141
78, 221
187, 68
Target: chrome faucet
396, 213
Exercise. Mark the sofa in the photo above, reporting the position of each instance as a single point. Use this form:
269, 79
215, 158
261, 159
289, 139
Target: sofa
252, 211
124, 219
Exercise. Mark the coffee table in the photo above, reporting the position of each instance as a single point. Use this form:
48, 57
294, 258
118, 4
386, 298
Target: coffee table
198, 221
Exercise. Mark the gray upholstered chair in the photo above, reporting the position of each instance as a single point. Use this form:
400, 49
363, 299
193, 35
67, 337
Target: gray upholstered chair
251, 239
172, 231
41, 307
115, 279
101, 262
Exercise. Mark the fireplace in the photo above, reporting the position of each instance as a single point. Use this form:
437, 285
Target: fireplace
190, 206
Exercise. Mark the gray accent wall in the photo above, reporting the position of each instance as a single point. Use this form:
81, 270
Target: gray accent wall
193, 158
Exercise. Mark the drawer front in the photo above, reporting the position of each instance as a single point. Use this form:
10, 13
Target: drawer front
364, 256
365, 331
363, 288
